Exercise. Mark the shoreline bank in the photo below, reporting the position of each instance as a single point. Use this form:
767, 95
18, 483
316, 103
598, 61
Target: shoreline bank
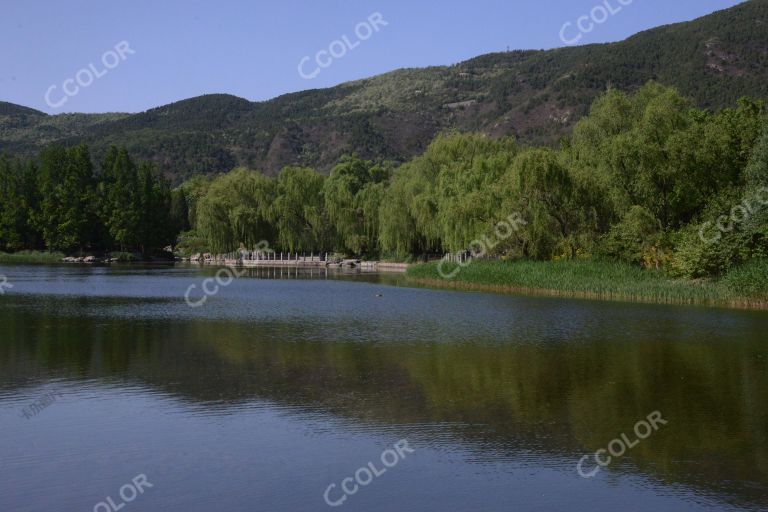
590, 280
302, 262
57, 258
745, 304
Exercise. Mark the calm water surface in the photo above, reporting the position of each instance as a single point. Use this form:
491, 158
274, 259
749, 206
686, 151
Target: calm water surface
280, 386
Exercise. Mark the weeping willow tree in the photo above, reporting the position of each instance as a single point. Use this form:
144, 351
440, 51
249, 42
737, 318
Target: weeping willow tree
447, 197
298, 212
235, 210
408, 213
547, 193
468, 203
368, 203
194, 190
352, 195
397, 228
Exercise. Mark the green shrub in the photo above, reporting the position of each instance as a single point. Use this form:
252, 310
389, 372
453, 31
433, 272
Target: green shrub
122, 256
189, 243
634, 237
702, 249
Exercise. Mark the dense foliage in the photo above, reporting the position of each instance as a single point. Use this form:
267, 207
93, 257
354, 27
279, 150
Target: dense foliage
645, 178
61, 202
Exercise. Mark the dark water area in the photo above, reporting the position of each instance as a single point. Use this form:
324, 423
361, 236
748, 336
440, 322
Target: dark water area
286, 390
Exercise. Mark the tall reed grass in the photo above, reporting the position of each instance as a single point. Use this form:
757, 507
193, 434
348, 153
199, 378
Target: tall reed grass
591, 279
31, 257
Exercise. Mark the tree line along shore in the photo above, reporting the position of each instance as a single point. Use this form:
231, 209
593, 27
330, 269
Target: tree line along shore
647, 187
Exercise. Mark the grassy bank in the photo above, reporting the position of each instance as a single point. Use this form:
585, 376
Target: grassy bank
599, 280
31, 257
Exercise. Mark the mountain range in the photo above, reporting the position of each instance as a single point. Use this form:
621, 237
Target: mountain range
533, 95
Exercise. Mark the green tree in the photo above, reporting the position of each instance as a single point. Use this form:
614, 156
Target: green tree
68, 198
351, 200
180, 210
549, 196
121, 208
155, 228
13, 216
235, 210
298, 211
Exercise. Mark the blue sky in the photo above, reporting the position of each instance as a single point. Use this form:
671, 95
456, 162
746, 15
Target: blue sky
252, 49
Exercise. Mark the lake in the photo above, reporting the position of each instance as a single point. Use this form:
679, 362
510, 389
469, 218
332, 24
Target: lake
307, 390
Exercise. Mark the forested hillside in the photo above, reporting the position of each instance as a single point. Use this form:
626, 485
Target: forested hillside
533, 96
